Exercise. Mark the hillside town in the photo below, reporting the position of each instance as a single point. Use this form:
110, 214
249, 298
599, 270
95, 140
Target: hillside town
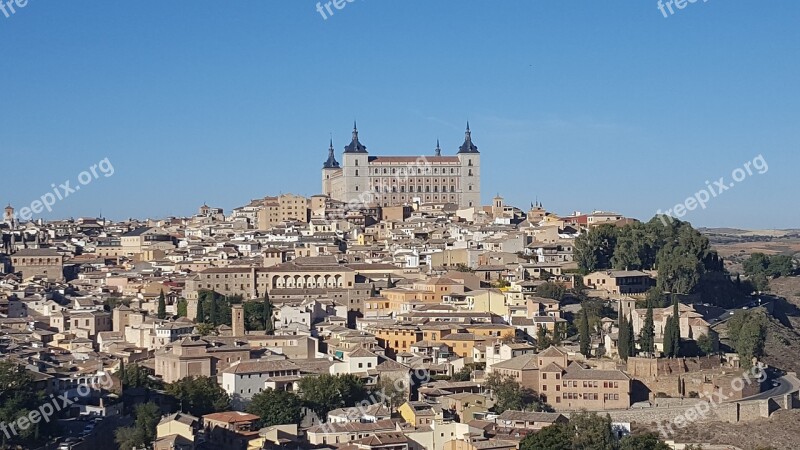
421, 320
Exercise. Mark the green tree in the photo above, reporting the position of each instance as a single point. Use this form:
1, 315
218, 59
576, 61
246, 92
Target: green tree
143, 431
136, 376
551, 290
394, 392
648, 333
583, 333
631, 337
676, 329
269, 325
201, 314
668, 337
213, 313
276, 407
595, 249
559, 332
747, 331
325, 392
254, 316
464, 374
543, 340
128, 438
19, 396
646, 441
623, 338
204, 329
199, 395
147, 417
592, 432
554, 437
708, 345
162, 306
509, 395
182, 308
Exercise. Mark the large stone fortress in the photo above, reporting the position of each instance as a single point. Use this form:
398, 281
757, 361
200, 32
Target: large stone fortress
398, 180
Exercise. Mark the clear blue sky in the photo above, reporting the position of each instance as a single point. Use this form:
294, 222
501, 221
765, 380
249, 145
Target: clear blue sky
585, 105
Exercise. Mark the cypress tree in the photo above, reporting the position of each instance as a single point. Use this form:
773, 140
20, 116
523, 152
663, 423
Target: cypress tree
583, 331
268, 325
676, 329
624, 340
201, 315
162, 306
631, 338
213, 314
668, 342
648, 333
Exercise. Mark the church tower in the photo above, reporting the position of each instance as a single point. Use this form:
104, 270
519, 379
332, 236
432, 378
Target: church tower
470, 181
355, 168
329, 169
8, 215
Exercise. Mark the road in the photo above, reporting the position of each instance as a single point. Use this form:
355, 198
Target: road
785, 386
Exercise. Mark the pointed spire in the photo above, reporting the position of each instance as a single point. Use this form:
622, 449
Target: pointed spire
355, 146
438, 148
331, 162
468, 146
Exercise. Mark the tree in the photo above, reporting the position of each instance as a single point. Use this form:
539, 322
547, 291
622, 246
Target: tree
213, 314
708, 344
394, 392
668, 340
747, 331
554, 437
648, 334
162, 306
464, 374
269, 325
542, 340
631, 338
147, 417
325, 392
254, 316
646, 441
551, 290
182, 308
128, 438
199, 395
624, 339
676, 329
592, 432
136, 376
509, 395
276, 407
143, 431
558, 333
201, 315
593, 250
19, 396
583, 332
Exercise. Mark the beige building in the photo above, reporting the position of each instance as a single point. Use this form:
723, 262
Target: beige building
193, 356
283, 208
569, 386
38, 262
255, 282
619, 281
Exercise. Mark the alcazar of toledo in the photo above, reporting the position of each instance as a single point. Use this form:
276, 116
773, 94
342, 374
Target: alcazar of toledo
398, 180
